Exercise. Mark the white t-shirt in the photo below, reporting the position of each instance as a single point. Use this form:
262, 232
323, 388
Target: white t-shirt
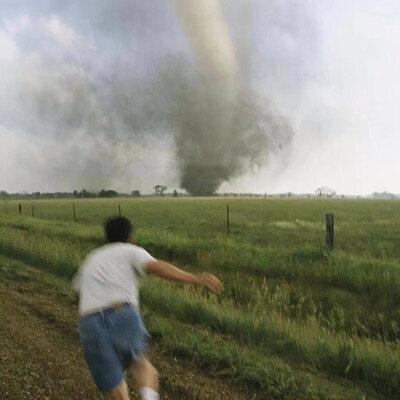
109, 276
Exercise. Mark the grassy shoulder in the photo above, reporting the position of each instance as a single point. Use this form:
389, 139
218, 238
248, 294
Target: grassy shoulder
40, 350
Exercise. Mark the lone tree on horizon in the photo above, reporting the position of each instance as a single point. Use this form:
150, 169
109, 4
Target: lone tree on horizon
160, 189
325, 192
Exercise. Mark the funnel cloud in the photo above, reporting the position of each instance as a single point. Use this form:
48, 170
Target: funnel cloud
220, 128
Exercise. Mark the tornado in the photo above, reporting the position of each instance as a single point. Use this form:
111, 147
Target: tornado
220, 132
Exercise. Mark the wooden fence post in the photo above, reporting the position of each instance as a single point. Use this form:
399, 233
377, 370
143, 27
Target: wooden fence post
33, 213
330, 230
73, 208
227, 220
119, 209
20, 209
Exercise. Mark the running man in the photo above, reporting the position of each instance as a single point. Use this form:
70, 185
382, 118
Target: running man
112, 332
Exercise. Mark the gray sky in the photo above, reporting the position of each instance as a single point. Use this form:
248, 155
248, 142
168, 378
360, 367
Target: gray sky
82, 102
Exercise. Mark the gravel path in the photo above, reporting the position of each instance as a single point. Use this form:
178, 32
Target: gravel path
40, 356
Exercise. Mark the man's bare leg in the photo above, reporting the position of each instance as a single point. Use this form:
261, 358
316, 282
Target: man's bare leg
120, 392
146, 376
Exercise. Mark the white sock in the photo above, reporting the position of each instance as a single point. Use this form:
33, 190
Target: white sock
149, 394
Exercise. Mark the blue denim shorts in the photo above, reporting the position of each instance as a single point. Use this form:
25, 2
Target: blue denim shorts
111, 341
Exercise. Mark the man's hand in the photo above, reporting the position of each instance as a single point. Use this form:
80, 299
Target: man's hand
211, 282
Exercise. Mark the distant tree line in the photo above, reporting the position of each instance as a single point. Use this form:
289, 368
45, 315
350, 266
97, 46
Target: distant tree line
160, 190
35, 195
76, 194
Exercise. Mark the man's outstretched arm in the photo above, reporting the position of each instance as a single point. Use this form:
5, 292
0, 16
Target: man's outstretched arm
168, 271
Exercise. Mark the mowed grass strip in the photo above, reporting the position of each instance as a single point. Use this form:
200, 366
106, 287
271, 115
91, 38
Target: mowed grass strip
364, 226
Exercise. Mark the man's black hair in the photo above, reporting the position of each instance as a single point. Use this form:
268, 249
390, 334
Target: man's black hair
117, 229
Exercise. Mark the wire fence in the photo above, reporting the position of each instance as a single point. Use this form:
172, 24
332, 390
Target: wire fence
329, 219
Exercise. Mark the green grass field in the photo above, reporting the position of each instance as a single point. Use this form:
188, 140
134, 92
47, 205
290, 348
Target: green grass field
295, 321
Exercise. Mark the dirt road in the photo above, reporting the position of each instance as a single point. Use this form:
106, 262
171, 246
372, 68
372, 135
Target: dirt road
40, 356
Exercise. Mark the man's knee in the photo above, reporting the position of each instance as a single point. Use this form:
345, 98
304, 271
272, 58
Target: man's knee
148, 368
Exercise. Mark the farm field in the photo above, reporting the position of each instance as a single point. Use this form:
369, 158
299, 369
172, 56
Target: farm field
295, 321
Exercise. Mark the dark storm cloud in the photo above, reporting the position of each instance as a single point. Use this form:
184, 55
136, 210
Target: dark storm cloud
95, 75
